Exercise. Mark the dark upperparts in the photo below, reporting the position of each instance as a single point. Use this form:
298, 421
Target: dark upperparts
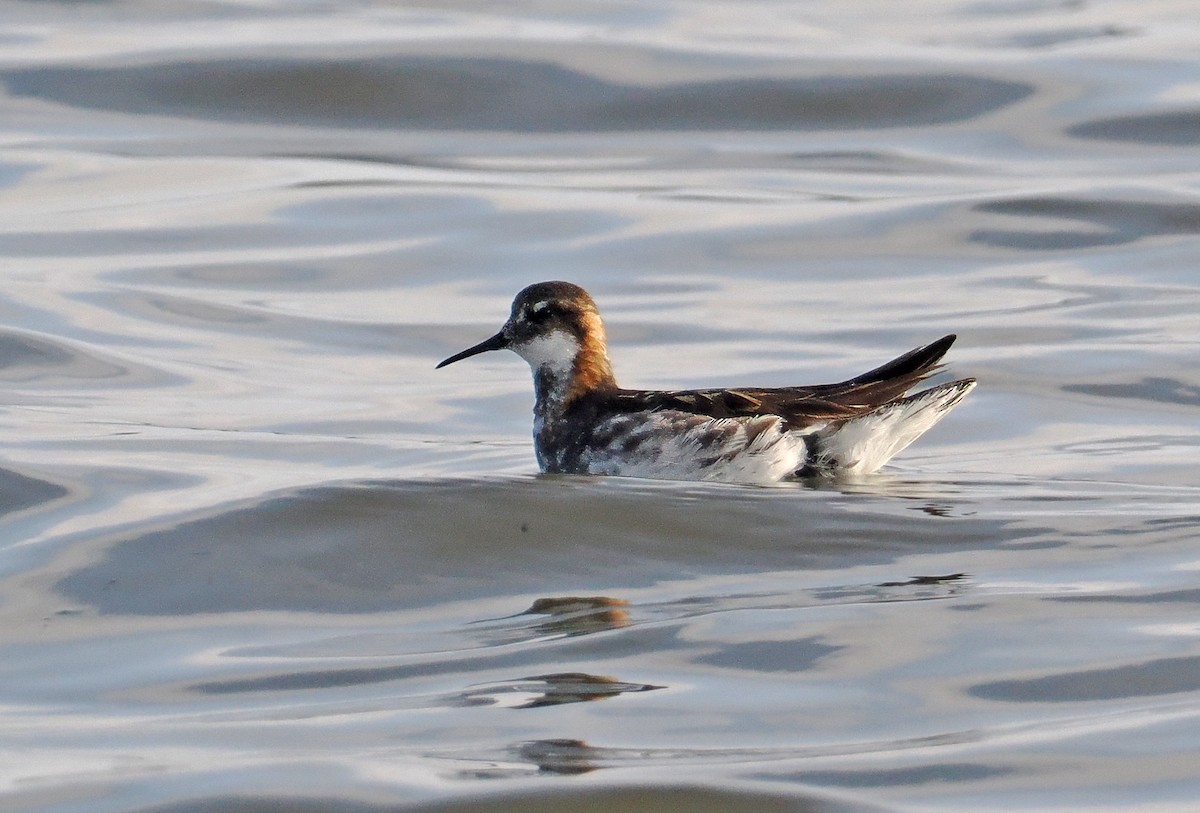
798, 406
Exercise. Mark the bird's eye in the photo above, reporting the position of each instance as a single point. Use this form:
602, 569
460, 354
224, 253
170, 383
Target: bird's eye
537, 315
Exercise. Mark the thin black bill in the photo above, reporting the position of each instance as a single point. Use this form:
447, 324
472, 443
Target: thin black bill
497, 342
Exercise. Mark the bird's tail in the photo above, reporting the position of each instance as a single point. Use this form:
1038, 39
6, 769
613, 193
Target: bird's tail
862, 444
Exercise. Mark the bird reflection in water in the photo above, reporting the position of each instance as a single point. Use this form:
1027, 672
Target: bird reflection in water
580, 615
555, 689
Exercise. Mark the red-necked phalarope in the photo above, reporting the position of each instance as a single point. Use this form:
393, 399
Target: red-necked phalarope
585, 424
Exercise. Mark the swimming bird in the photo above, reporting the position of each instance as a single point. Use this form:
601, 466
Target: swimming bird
583, 423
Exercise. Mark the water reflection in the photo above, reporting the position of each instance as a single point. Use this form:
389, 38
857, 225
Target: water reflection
1176, 127
20, 492
941, 774
513, 95
25, 359
552, 690
675, 797
245, 231
1155, 389
1145, 679
562, 756
342, 548
580, 615
1108, 222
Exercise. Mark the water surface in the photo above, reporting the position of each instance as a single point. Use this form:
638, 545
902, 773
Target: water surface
256, 553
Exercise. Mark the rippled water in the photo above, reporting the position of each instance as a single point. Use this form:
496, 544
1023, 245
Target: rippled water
257, 555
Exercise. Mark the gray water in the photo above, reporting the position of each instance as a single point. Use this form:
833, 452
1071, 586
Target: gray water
257, 555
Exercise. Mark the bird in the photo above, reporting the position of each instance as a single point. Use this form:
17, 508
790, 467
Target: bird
584, 423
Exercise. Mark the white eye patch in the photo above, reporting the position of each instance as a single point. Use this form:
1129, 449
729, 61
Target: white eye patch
536, 311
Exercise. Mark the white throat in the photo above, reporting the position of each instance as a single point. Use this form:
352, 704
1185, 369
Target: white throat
553, 352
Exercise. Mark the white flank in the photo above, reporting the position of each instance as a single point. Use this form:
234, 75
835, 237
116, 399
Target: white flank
862, 445
675, 445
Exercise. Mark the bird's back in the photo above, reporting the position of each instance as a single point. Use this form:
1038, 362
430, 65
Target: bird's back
799, 407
